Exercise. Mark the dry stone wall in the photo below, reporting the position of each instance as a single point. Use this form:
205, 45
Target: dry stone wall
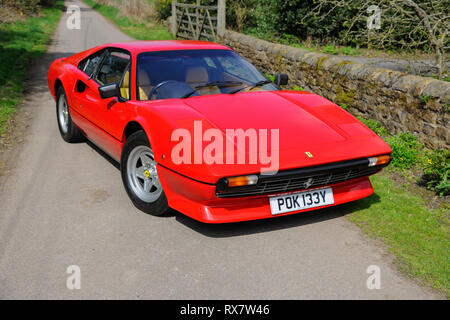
401, 102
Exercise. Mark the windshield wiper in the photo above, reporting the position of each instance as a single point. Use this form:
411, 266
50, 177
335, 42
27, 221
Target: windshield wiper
219, 84
189, 94
257, 84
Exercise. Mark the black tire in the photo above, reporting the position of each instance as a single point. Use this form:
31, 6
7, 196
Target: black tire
71, 133
158, 207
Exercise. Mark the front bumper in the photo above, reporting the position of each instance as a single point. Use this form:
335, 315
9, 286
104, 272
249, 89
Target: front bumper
200, 202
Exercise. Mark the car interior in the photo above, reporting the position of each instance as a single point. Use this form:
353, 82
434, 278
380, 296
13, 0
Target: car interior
192, 74
194, 71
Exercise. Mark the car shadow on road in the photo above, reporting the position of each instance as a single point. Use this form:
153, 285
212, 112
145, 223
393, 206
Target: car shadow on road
36, 80
276, 223
106, 156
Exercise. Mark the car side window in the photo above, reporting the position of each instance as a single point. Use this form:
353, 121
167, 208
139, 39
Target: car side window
113, 67
89, 64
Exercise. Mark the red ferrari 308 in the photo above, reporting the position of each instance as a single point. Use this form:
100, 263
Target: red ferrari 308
197, 128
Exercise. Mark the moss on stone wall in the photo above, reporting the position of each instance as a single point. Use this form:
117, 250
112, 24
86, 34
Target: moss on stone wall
319, 62
345, 98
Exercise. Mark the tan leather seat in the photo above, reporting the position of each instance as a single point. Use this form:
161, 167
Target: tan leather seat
125, 87
196, 76
145, 85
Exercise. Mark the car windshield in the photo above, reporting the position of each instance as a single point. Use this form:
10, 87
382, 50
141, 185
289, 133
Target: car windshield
185, 73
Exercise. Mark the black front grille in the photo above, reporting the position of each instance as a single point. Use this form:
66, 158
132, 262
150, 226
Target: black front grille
301, 179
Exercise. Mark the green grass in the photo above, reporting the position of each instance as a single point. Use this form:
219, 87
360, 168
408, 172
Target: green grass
296, 42
409, 155
347, 51
416, 235
374, 125
137, 30
20, 43
406, 150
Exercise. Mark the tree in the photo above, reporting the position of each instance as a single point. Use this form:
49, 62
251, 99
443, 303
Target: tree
405, 24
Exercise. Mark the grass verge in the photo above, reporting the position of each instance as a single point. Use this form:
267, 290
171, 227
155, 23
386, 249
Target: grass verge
417, 235
137, 30
20, 43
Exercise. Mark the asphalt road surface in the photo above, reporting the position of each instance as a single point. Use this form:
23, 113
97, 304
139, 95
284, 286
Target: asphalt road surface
64, 204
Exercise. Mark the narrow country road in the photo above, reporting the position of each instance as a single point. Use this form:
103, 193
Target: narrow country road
64, 204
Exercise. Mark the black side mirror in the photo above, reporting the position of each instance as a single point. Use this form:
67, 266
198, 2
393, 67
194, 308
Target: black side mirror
109, 91
281, 79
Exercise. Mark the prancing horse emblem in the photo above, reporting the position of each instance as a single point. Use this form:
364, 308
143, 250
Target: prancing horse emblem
309, 154
308, 183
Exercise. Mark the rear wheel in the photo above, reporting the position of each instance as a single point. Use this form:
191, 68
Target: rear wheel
69, 132
140, 176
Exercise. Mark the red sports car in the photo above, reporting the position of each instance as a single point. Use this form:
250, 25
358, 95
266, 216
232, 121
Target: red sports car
197, 128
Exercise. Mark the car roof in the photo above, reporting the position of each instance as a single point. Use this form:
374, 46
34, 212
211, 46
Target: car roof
136, 47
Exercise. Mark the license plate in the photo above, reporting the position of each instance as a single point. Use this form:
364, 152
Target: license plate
301, 200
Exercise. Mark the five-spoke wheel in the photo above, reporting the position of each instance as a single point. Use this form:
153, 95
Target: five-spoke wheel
140, 176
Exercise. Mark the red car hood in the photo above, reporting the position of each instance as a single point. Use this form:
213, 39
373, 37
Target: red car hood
306, 123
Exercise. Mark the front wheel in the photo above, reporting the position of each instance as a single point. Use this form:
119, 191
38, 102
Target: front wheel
140, 176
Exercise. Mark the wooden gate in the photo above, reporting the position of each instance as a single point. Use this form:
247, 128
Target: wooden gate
198, 22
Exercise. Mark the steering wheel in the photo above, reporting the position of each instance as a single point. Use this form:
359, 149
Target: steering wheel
172, 89
159, 85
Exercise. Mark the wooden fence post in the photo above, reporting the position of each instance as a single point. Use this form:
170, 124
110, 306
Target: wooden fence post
220, 16
197, 29
174, 17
